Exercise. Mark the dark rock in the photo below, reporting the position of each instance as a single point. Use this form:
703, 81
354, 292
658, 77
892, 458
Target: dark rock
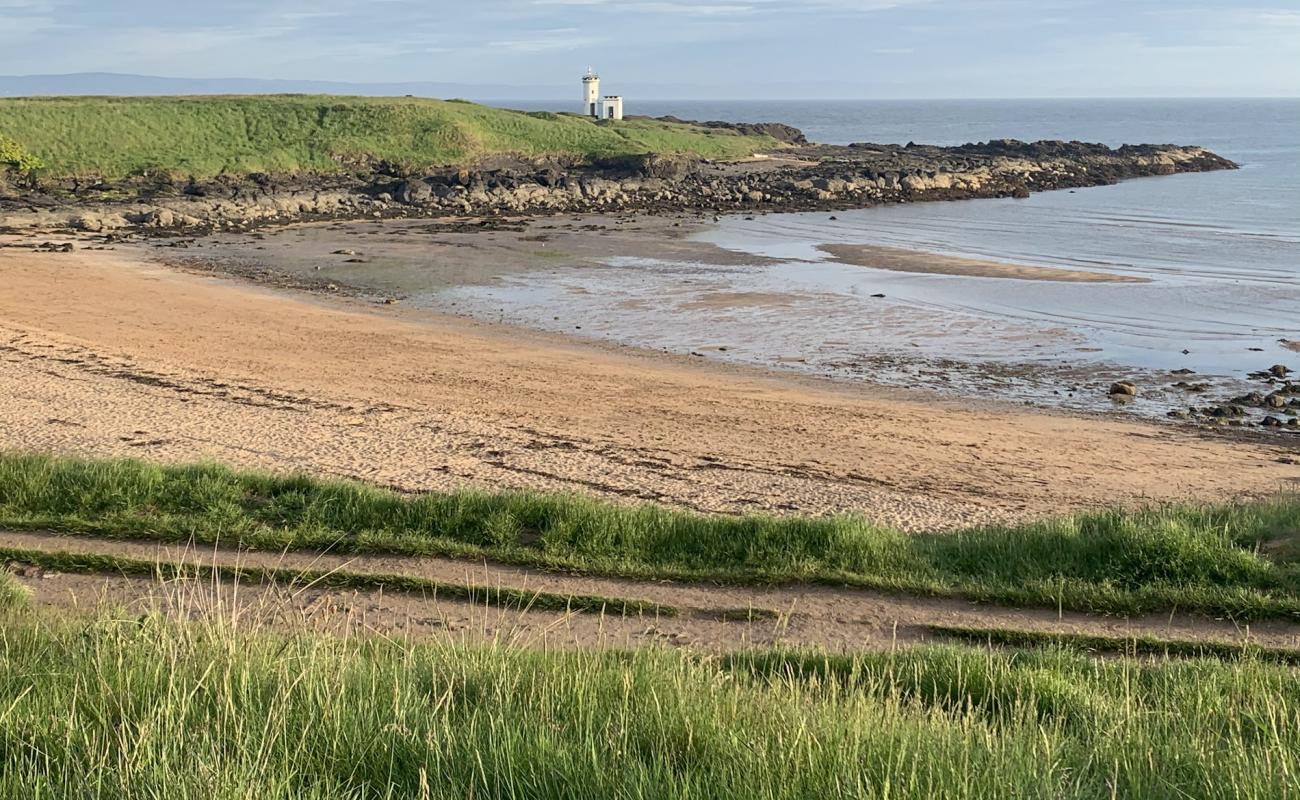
413, 193
1123, 389
1226, 411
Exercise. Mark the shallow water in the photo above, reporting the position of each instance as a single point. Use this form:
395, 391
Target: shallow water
1221, 252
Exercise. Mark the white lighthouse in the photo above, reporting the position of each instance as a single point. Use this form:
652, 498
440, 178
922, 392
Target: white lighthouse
593, 105
591, 94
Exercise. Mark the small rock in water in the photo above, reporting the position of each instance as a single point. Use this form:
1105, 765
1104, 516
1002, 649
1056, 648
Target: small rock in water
1279, 371
1227, 411
878, 294
1123, 389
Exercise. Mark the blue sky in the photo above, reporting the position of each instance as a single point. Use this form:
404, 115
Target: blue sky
735, 48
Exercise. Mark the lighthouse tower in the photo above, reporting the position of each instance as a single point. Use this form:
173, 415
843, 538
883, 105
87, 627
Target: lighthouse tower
591, 94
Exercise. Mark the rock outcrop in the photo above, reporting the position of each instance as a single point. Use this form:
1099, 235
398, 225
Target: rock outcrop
796, 178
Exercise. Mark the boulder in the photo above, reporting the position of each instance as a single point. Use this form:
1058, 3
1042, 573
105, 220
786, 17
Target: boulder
413, 193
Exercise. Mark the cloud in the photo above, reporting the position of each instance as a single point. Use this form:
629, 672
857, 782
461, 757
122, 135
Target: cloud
558, 39
993, 47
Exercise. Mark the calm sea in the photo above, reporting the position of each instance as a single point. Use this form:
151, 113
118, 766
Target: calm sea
1222, 250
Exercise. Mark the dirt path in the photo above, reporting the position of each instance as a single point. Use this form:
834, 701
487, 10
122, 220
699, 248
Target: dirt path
102, 354
821, 616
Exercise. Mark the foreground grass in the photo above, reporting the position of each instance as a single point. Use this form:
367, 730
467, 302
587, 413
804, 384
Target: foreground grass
156, 708
114, 137
1230, 560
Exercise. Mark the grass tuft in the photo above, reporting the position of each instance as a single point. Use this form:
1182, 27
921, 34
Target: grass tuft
12, 593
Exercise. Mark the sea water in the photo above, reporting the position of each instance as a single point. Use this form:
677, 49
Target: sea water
1220, 253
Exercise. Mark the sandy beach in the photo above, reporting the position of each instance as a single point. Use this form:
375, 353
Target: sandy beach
110, 353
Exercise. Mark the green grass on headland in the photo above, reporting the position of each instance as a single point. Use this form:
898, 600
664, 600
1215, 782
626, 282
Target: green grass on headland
116, 137
1234, 560
151, 708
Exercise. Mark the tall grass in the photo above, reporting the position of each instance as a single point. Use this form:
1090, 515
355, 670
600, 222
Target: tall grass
1232, 559
11, 592
114, 137
152, 708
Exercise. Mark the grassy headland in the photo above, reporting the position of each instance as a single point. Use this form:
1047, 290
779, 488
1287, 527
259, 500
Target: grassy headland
117, 137
157, 708
1235, 560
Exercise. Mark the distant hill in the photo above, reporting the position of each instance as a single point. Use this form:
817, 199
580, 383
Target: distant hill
115, 137
111, 83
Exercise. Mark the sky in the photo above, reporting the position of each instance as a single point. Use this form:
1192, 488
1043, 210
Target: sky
779, 49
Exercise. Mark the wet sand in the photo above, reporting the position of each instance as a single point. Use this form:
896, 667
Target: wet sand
418, 258
898, 259
107, 353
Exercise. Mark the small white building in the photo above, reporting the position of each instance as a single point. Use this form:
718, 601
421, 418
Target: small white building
594, 105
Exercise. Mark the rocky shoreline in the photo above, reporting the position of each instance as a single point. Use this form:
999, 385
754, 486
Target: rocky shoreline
796, 177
